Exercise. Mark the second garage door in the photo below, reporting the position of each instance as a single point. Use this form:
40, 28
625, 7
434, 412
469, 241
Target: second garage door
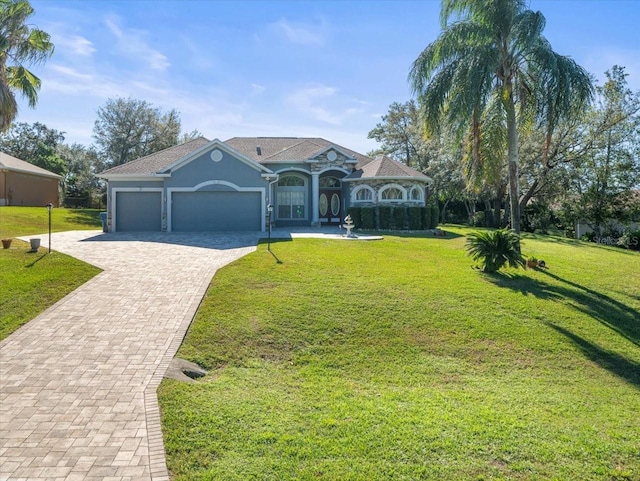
216, 211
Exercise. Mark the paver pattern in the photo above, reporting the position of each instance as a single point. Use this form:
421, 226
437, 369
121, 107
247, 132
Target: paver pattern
78, 383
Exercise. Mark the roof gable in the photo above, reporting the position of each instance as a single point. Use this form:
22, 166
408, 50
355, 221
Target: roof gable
323, 155
289, 149
214, 144
13, 164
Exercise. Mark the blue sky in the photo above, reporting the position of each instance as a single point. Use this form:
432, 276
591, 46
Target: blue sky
262, 68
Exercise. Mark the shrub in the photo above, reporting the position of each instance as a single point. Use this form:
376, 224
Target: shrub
367, 217
494, 249
384, 217
588, 236
479, 219
355, 213
398, 217
425, 217
414, 215
630, 240
434, 216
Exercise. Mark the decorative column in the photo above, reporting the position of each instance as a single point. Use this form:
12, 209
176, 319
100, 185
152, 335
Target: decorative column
315, 196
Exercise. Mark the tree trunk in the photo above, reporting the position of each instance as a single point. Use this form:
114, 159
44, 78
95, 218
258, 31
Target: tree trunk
444, 211
497, 219
512, 142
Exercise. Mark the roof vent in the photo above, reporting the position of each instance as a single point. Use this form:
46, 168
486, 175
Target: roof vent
259, 150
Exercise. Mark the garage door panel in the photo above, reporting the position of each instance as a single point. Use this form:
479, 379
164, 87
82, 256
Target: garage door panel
138, 211
216, 211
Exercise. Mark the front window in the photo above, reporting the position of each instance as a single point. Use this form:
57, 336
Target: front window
416, 193
290, 205
392, 193
290, 197
364, 195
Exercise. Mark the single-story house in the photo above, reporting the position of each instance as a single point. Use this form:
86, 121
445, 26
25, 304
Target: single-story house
205, 185
22, 183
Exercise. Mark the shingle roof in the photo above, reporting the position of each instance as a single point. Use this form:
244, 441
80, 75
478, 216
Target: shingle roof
287, 149
272, 150
153, 163
8, 162
384, 166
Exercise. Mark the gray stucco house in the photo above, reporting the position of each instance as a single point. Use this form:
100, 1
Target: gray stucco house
207, 185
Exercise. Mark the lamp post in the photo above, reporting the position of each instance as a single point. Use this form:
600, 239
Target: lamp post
49, 208
269, 211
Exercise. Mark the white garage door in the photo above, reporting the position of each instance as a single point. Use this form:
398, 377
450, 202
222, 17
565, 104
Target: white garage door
216, 211
138, 211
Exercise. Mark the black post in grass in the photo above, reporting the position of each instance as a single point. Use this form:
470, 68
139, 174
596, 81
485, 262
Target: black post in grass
269, 211
49, 208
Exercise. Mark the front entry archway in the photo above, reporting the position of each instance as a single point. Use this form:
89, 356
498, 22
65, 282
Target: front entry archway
330, 201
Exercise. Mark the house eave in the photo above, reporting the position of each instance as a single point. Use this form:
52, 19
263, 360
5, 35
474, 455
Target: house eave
393, 177
30, 172
134, 177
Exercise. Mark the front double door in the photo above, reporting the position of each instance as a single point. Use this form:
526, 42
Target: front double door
329, 204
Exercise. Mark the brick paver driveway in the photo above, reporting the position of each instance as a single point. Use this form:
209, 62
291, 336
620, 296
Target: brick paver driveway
78, 383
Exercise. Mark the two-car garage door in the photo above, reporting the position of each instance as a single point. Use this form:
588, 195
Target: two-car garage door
200, 211
216, 211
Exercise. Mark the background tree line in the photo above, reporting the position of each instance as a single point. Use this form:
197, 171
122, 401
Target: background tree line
124, 130
587, 168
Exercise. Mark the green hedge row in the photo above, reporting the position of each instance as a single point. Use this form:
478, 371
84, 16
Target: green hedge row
387, 217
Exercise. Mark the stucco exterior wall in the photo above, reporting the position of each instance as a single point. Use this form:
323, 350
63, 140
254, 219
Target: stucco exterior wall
17, 188
204, 169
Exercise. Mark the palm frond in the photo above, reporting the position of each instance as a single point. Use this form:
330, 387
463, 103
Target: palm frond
495, 249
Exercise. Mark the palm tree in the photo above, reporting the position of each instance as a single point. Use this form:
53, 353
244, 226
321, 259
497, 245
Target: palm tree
491, 53
19, 44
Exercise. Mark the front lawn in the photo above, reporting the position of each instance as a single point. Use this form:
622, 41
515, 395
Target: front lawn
395, 359
31, 282
22, 221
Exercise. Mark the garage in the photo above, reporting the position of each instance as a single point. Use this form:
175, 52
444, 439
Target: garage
138, 211
216, 211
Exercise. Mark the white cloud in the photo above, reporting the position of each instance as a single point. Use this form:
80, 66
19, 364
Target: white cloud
257, 89
324, 104
70, 73
132, 43
76, 44
313, 101
302, 33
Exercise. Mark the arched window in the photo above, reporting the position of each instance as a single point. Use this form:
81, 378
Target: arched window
290, 197
291, 181
392, 193
363, 193
329, 183
416, 193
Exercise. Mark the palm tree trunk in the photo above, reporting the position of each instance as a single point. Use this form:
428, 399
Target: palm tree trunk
512, 155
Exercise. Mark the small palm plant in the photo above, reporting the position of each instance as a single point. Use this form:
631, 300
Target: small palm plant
494, 249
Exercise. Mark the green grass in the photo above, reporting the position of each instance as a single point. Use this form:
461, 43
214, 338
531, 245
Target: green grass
396, 359
22, 221
31, 282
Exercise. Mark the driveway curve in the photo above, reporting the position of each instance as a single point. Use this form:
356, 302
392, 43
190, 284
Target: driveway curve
78, 383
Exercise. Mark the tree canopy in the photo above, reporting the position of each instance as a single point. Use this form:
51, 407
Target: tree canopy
127, 129
20, 46
490, 68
